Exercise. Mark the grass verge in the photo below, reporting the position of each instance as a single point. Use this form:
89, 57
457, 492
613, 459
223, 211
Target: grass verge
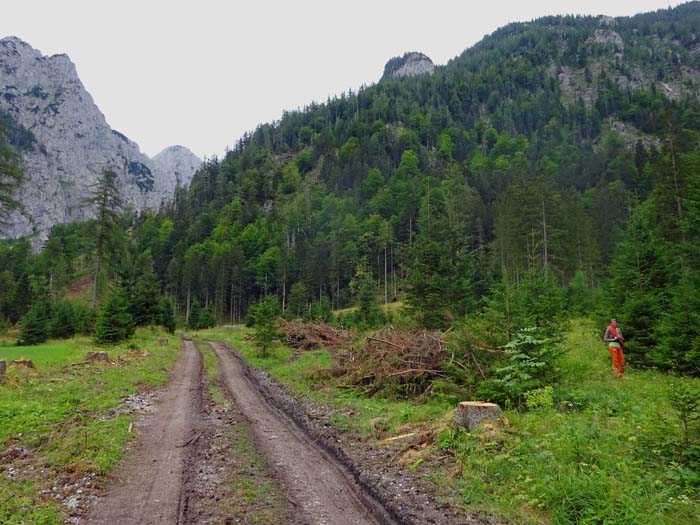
56, 421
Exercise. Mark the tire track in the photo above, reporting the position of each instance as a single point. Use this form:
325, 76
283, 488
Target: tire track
148, 486
322, 491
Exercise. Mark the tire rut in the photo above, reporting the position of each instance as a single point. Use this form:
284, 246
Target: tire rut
148, 487
321, 489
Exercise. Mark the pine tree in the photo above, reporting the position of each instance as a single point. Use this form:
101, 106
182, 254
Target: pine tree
165, 315
63, 320
297, 308
114, 322
146, 292
35, 324
365, 290
264, 315
107, 202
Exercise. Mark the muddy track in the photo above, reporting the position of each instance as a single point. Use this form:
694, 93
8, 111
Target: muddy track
148, 486
320, 488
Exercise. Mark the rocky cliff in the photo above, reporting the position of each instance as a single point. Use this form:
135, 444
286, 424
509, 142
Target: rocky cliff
68, 143
409, 65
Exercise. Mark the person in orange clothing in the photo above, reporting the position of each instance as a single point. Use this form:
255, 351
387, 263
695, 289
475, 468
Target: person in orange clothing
616, 345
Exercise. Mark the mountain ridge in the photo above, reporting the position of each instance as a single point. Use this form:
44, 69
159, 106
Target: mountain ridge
73, 145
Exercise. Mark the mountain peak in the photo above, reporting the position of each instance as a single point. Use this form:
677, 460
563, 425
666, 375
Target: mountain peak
71, 144
410, 64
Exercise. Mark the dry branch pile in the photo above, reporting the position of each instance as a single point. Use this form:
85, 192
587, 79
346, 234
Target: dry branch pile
307, 336
406, 362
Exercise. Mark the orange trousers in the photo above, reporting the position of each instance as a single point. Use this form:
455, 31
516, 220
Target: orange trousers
618, 360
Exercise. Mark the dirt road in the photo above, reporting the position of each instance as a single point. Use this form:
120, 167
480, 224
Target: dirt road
147, 488
320, 489
159, 479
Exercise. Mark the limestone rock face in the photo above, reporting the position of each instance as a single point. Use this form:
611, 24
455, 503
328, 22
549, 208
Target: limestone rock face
72, 144
409, 65
179, 162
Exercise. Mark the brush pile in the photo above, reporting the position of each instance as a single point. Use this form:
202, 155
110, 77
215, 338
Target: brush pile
309, 336
396, 361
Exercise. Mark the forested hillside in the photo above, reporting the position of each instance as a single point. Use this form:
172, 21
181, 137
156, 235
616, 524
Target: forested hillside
556, 160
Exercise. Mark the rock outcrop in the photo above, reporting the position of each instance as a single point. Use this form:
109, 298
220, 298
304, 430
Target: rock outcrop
409, 65
70, 144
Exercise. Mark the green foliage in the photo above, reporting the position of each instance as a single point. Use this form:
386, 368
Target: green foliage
484, 186
365, 291
322, 311
69, 318
526, 372
35, 324
200, 317
145, 292
686, 402
114, 321
264, 317
297, 306
166, 317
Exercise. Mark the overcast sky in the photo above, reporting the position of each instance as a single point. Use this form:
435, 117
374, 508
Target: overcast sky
201, 73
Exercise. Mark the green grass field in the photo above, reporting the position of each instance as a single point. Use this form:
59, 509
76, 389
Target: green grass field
591, 452
60, 414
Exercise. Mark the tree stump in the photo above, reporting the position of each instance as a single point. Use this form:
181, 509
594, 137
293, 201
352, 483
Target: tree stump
3, 368
470, 414
27, 363
97, 356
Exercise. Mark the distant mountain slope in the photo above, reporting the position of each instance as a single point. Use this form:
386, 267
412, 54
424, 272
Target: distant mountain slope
528, 153
68, 143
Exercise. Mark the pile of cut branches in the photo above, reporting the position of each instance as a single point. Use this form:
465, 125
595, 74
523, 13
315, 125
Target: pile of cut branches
395, 361
308, 336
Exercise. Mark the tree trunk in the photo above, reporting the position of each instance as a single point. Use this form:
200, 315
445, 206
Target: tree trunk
94, 282
187, 313
386, 290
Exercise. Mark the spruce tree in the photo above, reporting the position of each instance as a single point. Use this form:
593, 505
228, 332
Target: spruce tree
63, 320
165, 315
365, 291
265, 332
107, 202
114, 322
35, 324
145, 299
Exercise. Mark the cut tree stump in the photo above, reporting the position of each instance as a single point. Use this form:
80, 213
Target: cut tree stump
27, 363
97, 356
470, 414
3, 368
